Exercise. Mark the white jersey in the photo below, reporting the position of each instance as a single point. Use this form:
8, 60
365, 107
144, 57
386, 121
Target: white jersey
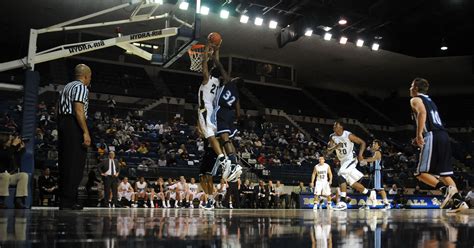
124, 186
346, 151
141, 187
193, 188
207, 93
322, 172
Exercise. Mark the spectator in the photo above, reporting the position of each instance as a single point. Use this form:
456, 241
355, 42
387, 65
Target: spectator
11, 149
261, 195
162, 161
417, 191
272, 195
246, 195
48, 187
280, 194
142, 149
470, 197
111, 105
393, 190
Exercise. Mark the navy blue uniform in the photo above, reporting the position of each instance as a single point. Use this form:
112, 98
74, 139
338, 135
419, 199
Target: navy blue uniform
224, 113
435, 156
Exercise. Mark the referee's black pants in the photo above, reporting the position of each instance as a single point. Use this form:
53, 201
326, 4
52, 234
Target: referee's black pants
71, 159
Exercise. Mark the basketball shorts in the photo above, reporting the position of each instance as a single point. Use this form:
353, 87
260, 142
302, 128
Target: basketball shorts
435, 156
378, 180
225, 121
197, 195
173, 195
322, 188
349, 171
208, 160
206, 124
126, 195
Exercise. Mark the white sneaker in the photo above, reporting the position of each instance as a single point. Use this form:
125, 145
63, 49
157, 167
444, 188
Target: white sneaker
134, 205
315, 206
449, 194
146, 206
226, 168
340, 206
235, 173
329, 207
387, 206
460, 207
230, 206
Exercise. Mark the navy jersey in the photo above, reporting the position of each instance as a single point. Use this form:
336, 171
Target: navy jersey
433, 121
227, 95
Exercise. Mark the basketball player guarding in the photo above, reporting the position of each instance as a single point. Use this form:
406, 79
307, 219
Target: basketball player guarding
322, 173
206, 95
227, 99
433, 139
342, 142
376, 161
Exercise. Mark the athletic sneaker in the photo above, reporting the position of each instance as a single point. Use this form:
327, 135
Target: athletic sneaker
209, 205
226, 169
235, 173
365, 207
449, 194
340, 206
387, 206
460, 206
230, 206
315, 206
329, 207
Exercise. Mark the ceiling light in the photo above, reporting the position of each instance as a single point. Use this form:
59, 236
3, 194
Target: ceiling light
375, 46
444, 47
327, 36
360, 43
327, 29
204, 10
258, 21
308, 32
343, 40
244, 18
273, 24
184, 5
224, 14
342, 21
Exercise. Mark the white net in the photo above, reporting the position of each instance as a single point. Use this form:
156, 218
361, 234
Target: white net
196, 55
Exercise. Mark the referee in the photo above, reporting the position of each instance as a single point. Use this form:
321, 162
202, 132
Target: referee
73, 136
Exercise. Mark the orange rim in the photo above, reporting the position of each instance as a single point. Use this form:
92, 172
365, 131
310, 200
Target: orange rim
195, 47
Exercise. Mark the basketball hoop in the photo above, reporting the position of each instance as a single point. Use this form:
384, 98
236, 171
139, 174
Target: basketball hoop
196, 53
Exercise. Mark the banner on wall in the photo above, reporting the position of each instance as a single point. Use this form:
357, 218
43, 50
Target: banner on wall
357, 201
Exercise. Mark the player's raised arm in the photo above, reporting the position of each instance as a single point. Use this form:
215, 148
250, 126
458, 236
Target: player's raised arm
205, 68
215, 57
361, 143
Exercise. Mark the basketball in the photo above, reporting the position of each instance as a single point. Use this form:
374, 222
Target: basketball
214, 38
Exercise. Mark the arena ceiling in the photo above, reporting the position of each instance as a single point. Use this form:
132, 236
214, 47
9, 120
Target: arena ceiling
411, 33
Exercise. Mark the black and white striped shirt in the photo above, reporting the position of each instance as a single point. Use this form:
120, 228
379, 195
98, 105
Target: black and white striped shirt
74, 91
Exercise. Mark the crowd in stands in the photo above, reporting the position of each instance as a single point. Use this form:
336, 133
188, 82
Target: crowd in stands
144, 145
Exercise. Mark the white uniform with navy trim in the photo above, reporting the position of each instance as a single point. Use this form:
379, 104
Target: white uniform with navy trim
345, 154
193, 189
322, 186
207, 93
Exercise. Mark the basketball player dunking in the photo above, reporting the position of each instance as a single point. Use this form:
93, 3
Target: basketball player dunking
433, 139
342, 142
206, 95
